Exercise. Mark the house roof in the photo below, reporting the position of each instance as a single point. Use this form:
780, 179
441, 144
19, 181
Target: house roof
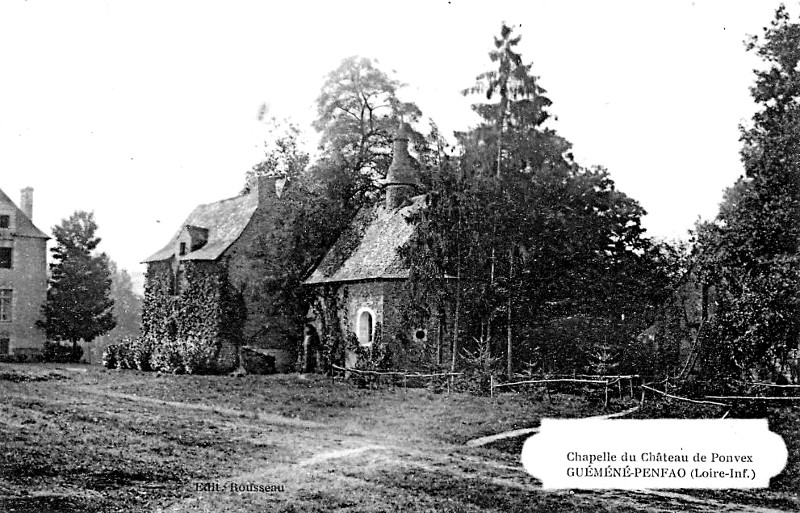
225, 220
367, 250
25, 227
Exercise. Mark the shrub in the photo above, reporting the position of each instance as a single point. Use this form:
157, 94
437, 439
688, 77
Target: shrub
54, 352
125, 355
477, 367
110, 356
141, 351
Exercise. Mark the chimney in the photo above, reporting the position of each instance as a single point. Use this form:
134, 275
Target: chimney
26, 202
280, 185
266, 188
401, 180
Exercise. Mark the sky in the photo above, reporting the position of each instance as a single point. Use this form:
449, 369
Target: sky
141, 110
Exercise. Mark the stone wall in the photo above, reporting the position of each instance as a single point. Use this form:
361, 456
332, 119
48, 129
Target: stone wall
413, 345
28, 280
250, 261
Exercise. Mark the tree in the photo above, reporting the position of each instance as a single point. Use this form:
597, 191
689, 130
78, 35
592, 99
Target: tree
749, 253
521, 104
127, 308
284, 153
127, 303
529, 235
79, 306
358, 111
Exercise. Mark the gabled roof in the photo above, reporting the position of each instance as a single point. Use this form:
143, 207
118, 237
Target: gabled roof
367, 250
225, 220
25, 227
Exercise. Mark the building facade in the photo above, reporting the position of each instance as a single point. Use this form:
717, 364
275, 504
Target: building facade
23, 276
362, 285
204, 282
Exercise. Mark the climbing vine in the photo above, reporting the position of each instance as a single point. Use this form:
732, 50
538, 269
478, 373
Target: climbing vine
208, 313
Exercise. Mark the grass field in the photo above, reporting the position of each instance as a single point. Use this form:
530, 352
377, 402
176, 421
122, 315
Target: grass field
79, 438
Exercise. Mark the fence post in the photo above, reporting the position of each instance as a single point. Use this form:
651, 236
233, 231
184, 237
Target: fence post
491, 385
605, 406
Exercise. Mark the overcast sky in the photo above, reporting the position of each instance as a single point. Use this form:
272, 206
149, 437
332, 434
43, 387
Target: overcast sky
141, 110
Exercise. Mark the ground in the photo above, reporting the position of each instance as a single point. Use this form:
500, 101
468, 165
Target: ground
81, 438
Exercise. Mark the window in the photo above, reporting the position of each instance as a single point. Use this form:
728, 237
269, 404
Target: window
365, 327
5, 221
179, 282
5, 258
4, 343
5, 305
183, 249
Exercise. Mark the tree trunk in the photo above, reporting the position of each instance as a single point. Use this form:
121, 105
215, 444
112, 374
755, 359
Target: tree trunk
509, 316
501, 123
454, 351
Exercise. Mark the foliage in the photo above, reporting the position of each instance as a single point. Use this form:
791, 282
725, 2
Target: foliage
78, 303
284, 153
109, 358
198, 356
189, 329
54, 352
167, 357
127, 309
602, 360
510, 123
530, 236
374, 357
328, 307
750, 251
358, 111
477, 368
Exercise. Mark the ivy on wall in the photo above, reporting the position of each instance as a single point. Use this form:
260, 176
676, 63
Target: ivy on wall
208, 310
329, 308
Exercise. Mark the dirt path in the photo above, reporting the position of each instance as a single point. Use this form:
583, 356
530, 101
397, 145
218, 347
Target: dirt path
269, 418
486, 440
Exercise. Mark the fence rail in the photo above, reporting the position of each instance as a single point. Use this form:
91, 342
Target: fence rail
400, 374
686, 399
395, 375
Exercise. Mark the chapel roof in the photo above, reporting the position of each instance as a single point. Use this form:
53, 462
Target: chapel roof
367, 250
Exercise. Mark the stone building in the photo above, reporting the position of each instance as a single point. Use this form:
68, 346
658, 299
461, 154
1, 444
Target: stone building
23, 276
361, 283
204, 281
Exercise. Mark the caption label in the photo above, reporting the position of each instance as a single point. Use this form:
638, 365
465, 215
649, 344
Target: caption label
658, 453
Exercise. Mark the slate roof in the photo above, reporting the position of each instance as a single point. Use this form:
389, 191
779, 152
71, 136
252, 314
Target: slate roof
368, 249
25, 227
225, 220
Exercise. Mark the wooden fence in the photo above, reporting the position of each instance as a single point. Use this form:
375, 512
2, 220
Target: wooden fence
583, 379
548, 382
394, 376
